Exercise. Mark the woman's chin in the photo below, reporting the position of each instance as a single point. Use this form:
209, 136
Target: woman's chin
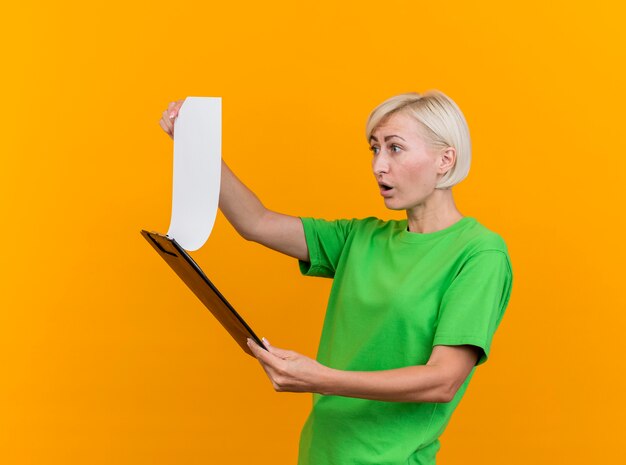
392, 204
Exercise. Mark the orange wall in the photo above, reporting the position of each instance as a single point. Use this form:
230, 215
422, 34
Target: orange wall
107, 358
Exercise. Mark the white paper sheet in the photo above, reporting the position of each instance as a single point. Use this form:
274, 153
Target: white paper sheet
197, 171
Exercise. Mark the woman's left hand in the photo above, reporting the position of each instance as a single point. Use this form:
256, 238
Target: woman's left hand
289, 371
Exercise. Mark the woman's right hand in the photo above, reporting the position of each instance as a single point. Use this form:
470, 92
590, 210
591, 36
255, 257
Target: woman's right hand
245, 211
169, 116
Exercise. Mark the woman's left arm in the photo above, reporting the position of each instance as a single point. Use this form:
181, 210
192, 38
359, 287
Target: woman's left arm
437, 381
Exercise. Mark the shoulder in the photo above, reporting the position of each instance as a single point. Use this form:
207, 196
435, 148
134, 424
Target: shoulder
478, 238
485, 249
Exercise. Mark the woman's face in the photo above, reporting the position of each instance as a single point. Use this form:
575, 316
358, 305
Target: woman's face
405, 167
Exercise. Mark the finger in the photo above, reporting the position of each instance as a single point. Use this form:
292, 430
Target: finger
280, 353
165, 128
167, 121
263, 356
269, 372
167, 117
169, 114
174, 110
255, 348
258, 353
252, 346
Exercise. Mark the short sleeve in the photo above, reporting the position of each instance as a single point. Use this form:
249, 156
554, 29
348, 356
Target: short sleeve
325, 241
473, 306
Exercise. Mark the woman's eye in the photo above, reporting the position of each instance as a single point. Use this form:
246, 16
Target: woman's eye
395, 148
374, 150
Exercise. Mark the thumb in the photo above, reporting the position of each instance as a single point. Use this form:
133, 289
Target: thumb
280, 353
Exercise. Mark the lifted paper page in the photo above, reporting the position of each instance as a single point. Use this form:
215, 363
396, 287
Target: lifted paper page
197, 170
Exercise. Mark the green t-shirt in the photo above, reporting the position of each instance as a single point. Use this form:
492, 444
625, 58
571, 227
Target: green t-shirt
395, 295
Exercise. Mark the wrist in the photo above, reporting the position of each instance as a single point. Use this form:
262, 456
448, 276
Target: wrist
326, 381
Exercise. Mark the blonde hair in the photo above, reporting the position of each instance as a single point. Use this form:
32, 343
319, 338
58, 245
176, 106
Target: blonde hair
443, 123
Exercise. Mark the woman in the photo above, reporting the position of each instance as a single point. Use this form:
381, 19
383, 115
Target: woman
414, 303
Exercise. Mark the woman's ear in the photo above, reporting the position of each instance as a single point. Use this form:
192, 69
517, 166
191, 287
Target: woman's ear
447, 158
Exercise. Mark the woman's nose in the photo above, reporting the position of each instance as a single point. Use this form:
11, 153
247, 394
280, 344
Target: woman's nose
380, 164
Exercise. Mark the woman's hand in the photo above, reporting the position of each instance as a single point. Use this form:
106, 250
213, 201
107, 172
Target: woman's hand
290, 371
169, 116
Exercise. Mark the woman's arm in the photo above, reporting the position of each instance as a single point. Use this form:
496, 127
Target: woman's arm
254, 222
437, 381
245, 211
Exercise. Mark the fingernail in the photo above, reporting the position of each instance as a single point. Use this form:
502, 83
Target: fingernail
172, 115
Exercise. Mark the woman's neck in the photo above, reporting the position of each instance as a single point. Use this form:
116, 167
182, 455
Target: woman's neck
434, 214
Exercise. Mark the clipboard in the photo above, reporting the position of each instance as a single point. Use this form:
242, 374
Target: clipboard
191, 274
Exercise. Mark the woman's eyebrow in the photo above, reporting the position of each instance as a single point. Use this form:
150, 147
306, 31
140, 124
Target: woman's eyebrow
386, 138
389, 137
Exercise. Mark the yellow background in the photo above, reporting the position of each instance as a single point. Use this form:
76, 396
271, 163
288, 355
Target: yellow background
105, 356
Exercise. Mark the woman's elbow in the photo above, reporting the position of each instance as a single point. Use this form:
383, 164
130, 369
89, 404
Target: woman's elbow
447, 395
446, 391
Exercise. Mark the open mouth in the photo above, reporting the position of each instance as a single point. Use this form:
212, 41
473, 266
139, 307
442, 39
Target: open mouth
385, 189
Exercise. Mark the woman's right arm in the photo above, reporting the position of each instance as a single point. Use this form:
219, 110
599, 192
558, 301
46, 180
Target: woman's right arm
244, 210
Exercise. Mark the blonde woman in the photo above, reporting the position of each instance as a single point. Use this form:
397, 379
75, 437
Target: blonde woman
414, 303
